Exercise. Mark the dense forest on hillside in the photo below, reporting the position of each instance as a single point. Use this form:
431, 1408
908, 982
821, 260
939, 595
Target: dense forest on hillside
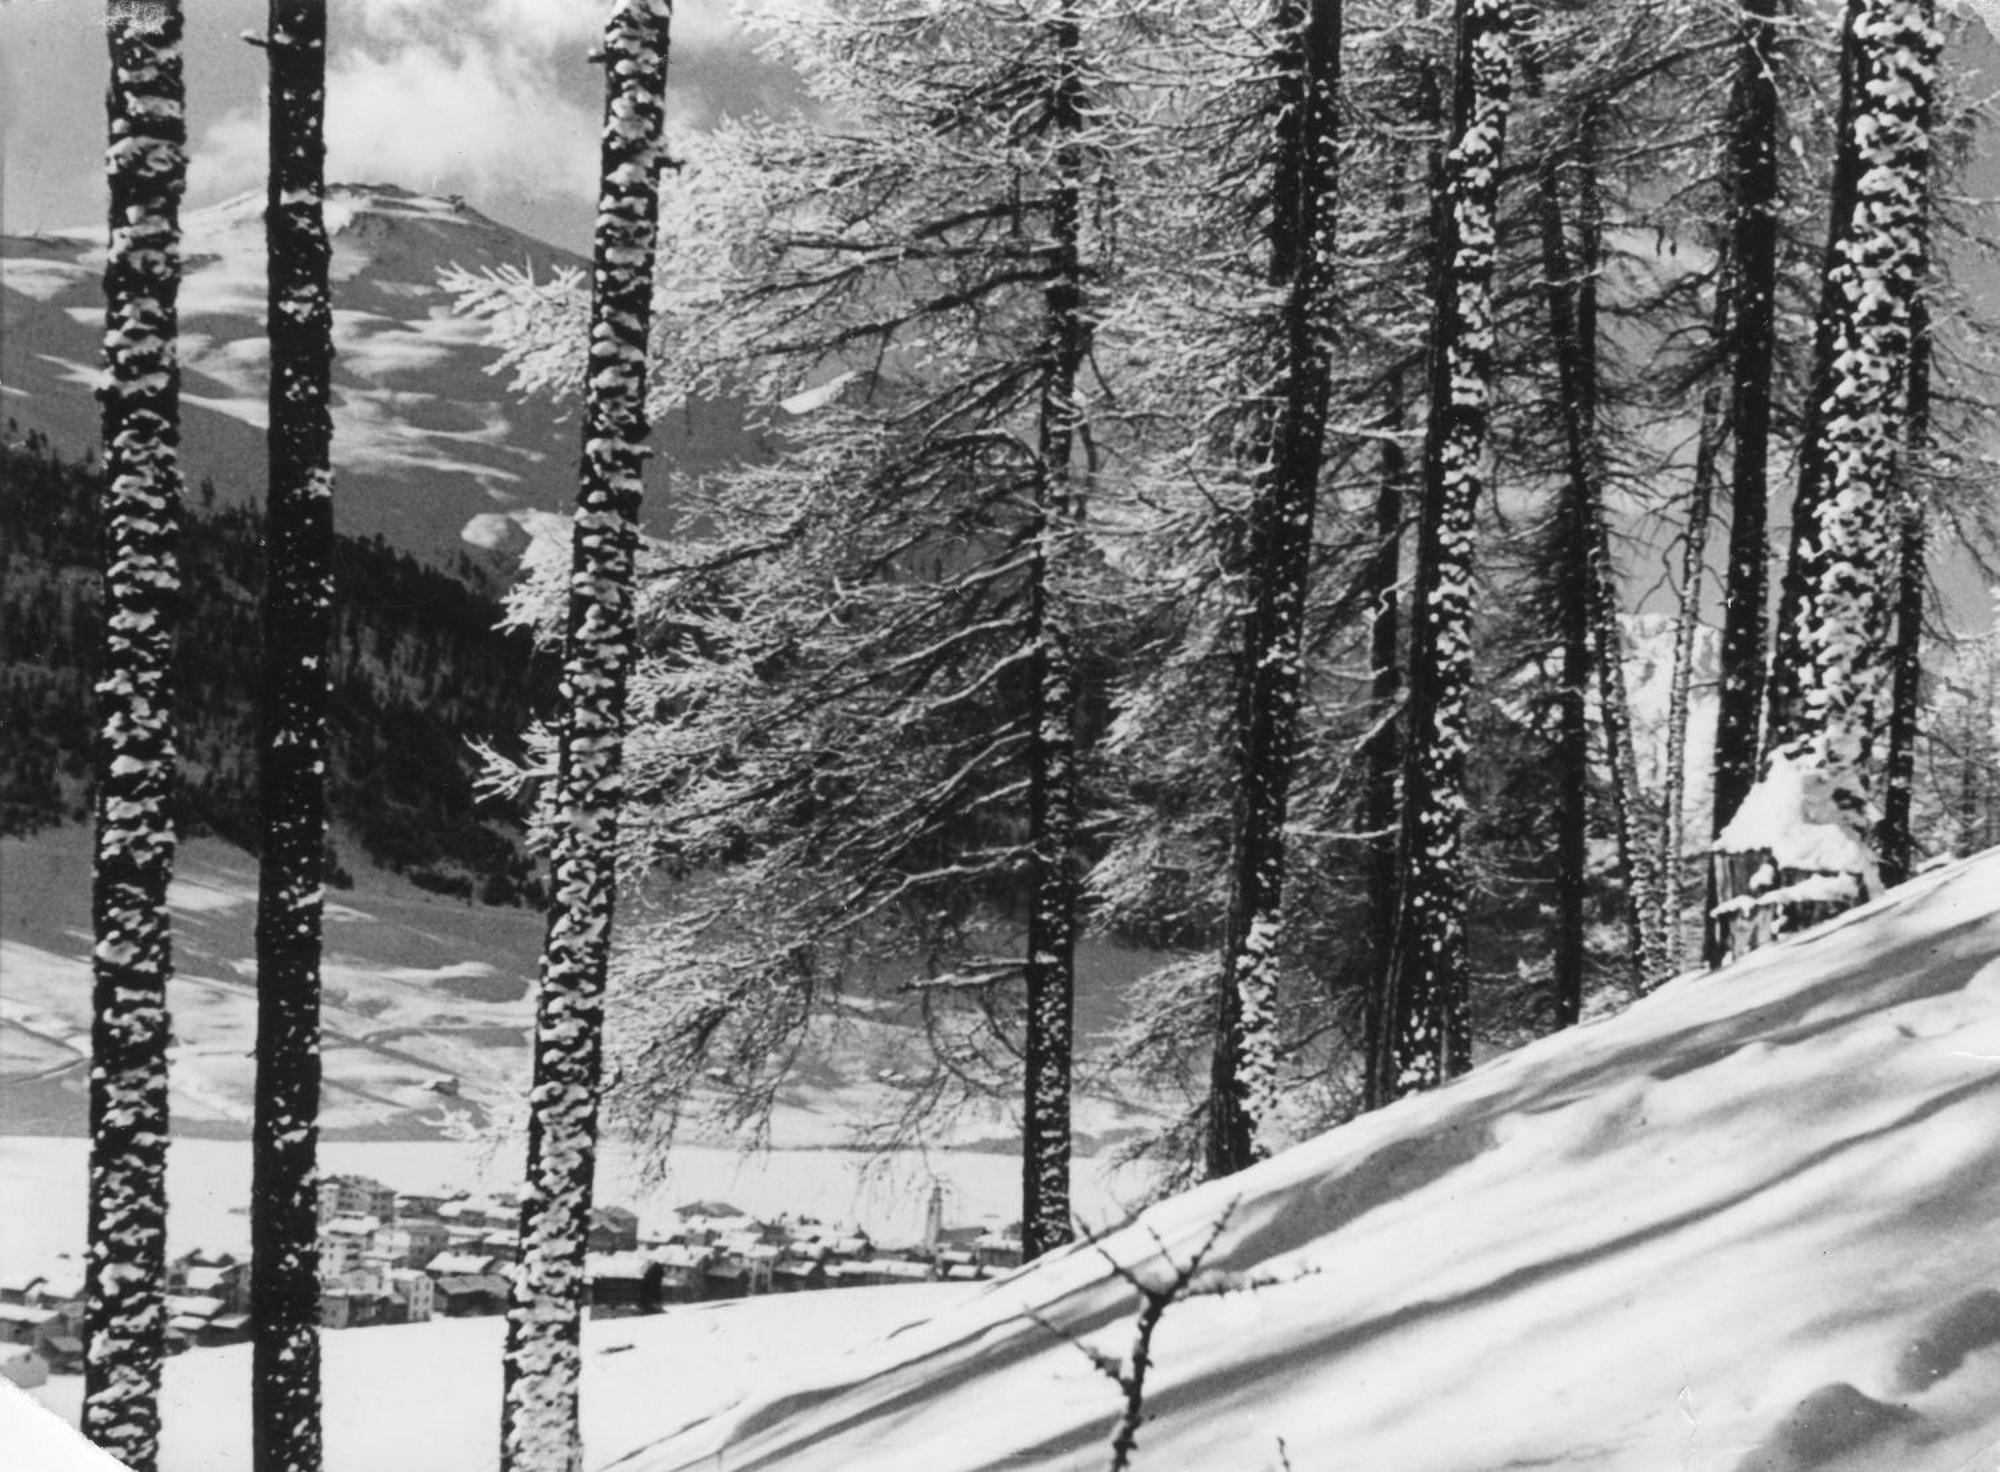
419, 671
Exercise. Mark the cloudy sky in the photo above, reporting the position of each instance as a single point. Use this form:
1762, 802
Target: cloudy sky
493, 100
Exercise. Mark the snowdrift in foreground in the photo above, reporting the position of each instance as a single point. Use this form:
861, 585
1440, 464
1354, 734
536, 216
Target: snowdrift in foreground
1747, 1225
38, 1442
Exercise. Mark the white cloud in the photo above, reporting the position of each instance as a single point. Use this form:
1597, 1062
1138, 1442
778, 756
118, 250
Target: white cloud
529, 24
485, 102
482, 121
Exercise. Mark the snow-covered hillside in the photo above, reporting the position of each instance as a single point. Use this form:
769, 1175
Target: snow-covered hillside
427, 1011
425, 438
1746, 1225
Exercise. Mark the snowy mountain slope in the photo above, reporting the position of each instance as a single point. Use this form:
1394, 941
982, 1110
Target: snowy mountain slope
425, 437
427, 1013
427, 999
1745, 1225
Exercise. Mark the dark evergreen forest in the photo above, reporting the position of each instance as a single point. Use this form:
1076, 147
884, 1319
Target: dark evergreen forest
419, 670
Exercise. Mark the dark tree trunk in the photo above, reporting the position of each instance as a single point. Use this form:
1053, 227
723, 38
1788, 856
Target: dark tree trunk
1896, 844
132, 958
1382, 755
1054, 865
1575, 544
1751, 351
298, 629
1387, 747
1270, 675
1426, 1004
539, 1416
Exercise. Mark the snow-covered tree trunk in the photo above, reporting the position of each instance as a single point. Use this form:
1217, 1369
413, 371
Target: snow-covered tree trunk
1751, 348
1244, 1087
539, 1418
1670, 856
1635, 857
1896, 845
1055, 868
1836, 643
298, 630
1425, 1016
146, 168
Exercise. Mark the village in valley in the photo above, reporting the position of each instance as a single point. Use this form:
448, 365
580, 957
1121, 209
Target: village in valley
397, 1257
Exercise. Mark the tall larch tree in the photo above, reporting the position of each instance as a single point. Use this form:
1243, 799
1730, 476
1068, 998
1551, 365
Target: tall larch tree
540, 1430
1054, 864
1426, 1037
132, 959
860, 720
1832, 655
297, 631
1270, 680
1896, 843
1751, 347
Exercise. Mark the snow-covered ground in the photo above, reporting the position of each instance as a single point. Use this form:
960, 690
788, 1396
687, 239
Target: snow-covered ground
427, 1397
1745, 1226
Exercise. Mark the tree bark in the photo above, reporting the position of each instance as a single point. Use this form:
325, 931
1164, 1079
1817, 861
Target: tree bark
297, 630
1896, 843
132, 955
1687, 626
1244, 1090
1382, 756
1752, 350
1054, 863
1426, 1008
539, 1419
1833, 650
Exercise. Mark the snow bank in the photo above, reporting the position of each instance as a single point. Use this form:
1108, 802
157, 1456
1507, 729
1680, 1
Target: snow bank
37, 1441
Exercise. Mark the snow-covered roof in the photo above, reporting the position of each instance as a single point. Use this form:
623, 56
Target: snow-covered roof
626, 1265
675, 1255
473, 1283
1791, 815
351, 1226
460, 1264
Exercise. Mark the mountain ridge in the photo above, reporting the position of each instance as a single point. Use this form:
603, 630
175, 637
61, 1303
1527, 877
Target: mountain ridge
427, 436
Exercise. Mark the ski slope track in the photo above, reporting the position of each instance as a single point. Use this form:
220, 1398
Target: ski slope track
1747, 1224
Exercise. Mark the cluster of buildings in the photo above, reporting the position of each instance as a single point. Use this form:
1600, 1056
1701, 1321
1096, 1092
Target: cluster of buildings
41, 1323
390, 1257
